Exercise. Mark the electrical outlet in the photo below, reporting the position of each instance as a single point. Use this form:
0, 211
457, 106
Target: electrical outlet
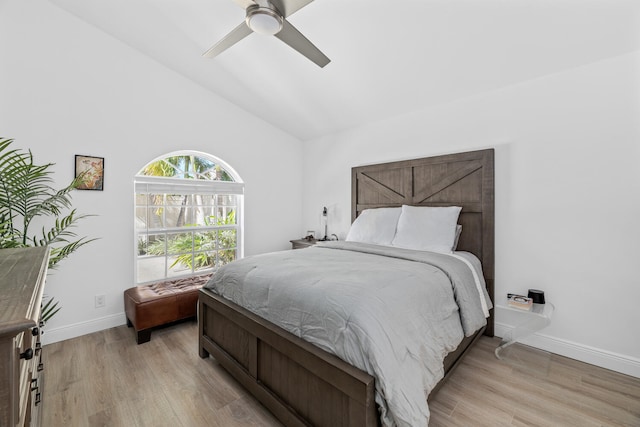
100, 300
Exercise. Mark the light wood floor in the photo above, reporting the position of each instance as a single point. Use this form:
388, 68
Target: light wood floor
105, 379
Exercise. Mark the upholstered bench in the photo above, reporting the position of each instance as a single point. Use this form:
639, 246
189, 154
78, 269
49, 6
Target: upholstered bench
157, 304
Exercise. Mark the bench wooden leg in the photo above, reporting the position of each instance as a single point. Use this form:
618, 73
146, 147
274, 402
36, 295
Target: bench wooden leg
143, 336
129, 324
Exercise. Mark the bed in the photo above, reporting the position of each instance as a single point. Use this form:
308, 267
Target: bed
299, 382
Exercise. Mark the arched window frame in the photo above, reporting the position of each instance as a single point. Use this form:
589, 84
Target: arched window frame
155, 185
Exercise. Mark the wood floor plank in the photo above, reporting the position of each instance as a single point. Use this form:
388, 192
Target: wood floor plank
98, 386
566, 393
65, 407
106, 379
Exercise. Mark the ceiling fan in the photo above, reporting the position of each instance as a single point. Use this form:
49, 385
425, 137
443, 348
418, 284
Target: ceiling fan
269, 17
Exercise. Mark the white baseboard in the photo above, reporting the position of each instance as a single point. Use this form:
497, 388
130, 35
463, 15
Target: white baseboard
606, 359
82, 328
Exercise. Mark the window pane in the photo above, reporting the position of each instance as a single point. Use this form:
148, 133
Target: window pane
187, 167
142, 199
204, 260
155, 214
179, 243
179, 265
143, 244
156, 244
155, 217
226, 256
155, 199
226, 199
227, 238
150, 269
226, 215
204, 215
205, 199
204, 241
187, 216
142, 221
175, 209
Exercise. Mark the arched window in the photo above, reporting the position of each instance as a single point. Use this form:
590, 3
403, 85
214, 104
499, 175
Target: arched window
188, 216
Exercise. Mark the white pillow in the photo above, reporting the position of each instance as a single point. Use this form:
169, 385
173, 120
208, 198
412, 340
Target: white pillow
426, 228
375, 226
457, 238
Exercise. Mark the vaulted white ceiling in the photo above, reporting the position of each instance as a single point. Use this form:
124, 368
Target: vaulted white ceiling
387, 57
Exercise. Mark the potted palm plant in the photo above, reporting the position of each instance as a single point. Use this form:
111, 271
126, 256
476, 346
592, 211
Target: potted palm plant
28, 198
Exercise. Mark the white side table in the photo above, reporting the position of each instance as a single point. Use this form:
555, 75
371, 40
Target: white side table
529, 322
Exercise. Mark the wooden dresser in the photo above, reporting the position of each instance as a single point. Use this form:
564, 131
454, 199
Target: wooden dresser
22, 277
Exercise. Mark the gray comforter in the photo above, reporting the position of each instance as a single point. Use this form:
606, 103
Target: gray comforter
393, 313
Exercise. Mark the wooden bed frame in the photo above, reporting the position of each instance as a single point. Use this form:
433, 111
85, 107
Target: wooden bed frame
303, 385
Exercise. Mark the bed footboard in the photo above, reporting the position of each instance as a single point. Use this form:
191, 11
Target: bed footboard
285, 373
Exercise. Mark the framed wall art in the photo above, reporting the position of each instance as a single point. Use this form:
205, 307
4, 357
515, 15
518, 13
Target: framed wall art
90, 171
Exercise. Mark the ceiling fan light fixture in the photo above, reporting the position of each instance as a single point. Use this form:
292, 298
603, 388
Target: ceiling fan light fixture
262, 16
263, 20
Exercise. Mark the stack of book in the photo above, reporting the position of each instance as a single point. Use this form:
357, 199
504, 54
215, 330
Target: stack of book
520, 301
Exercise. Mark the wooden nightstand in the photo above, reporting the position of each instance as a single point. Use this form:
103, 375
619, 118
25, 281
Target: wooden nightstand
302, 243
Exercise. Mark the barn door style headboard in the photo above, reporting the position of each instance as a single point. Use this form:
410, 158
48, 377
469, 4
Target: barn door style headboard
461, 179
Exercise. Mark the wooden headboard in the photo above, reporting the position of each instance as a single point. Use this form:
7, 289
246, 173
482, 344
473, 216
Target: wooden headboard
461, 179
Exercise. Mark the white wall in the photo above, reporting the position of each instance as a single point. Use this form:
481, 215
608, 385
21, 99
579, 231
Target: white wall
67, 88
567, 180
567, 194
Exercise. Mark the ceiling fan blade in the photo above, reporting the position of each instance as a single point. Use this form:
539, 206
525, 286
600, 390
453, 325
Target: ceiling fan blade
294, 38
244, 3
289, 7
238, 33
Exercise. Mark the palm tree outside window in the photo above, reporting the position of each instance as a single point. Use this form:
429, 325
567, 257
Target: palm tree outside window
188, 216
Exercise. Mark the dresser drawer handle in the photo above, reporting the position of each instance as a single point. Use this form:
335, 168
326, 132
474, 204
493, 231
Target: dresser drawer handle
35, 332
40, 366
27, 355
38, 398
